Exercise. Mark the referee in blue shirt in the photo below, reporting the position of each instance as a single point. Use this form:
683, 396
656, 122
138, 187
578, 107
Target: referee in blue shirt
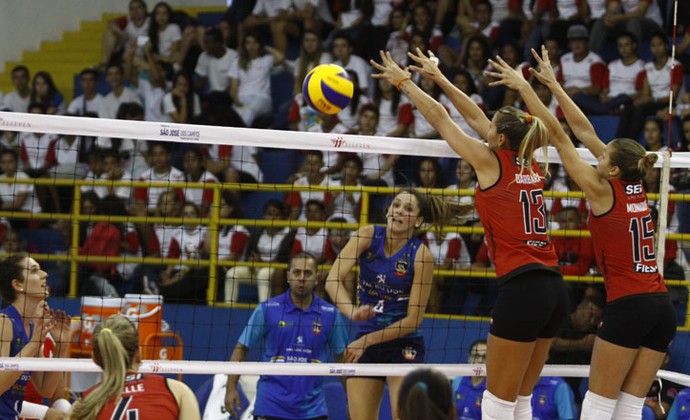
296, 327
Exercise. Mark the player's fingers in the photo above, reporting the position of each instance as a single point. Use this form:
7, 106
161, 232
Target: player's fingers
537, 57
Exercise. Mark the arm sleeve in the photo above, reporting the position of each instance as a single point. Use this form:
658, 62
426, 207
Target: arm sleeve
255, 328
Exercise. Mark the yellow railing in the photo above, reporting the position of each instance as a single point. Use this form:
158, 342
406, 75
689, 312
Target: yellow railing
213, 222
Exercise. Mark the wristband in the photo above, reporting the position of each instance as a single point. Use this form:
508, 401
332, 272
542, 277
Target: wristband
402, 81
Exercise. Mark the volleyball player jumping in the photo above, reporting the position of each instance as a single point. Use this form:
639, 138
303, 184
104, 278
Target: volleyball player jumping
639, 322
511, 206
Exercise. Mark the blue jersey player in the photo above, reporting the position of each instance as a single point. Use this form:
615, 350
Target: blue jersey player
24, 323
395, 280
295, 327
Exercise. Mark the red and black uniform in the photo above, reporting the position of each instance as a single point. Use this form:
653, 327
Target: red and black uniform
147, 395
513, 213
639, 311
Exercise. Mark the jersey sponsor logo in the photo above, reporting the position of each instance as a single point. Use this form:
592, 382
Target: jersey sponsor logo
637, 207
402, 264
538, 244
409, 353
381, 278
642, 268
516, 161
633, 189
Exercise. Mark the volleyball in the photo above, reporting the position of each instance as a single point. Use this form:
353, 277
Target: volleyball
327, 88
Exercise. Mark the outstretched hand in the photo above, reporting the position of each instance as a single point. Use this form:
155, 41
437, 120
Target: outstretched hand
505, 75
545, 73
428, 66
390, 70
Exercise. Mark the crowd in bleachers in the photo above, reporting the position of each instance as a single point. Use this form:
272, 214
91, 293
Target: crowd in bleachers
244, 68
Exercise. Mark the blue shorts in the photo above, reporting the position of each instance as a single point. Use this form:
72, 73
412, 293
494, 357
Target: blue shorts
401, 350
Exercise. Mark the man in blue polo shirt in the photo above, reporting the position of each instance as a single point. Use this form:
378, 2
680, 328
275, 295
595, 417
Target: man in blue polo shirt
295, 327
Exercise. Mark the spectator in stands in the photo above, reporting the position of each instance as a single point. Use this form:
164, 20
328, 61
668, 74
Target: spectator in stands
378, 168
449, 252
499, 96
575, 340
250, 79
122, 30
425, 393
347, 204
553, 399
680, 409
547, 98
653, 135
298, 327
186, 282
181, 104
15, 196
213, 63
119, 92
581, 71
343, 55
232, 239
658, 82
70, 159
164, 35
467, 180
311, 54
312, 240
623, 81
397, 44
662, 393
111, 163
463, 80
134, 152
89, 102
423, 23
18, 100
575, 254
151, 89
311, 173
194, 171
268, 244
683, 50
468, 390
430, 174
271, 14
479, 21
572, 200
685, 129
395, 112
103, 239
160, 170
474, 59
37, 152
233, 163
44, 91
640, 17
12, 243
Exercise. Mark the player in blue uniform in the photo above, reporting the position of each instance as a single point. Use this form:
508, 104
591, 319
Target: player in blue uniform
24, 323
296, 327
395, 280
469, 390
553, 399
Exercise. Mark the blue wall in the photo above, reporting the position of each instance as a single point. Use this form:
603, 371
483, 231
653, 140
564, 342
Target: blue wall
210, 333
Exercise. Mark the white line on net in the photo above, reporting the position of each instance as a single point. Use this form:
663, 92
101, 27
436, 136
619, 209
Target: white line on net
187, 133
200, 367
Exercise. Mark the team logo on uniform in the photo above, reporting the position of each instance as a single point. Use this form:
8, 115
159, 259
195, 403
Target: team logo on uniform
316, 327
381, 278
409, 353
401, 265
300, 339
542, 400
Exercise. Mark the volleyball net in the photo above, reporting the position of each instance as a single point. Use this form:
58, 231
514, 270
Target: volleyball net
114, 235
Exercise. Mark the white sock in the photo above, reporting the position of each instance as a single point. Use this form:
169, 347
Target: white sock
494, 408
596, 407
628, 407
523, 407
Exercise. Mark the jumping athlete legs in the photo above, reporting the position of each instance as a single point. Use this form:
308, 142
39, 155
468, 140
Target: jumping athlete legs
507, 362
364, 398
523, 408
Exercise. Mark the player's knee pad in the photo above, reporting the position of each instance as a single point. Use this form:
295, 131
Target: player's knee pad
523, 407
494, 408
596, 407
628, 406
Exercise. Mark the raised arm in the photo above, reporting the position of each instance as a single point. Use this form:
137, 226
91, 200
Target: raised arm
577, 120
428, 67
582, 173
474, 151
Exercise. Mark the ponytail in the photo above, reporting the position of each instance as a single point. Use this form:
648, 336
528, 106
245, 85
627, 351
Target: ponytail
115, 344
632, 159
425, 394
525, 132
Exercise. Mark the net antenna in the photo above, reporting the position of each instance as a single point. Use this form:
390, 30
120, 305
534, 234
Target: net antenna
666, 163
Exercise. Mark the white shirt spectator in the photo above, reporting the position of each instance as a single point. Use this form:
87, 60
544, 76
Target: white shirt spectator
359, 66
199, 195
660, 79
623, 79
325, 58
256, 79
8, 192
153, 101
313, 244
37, 150
388, 120
80, 105
164, 235
151, 194
66, 153
268, 246
232, 241
578, 74
499, 9
653, 12
216, 69
167, 37
372, 164
125, 193
342, 207
270, 8
169, 107
457, 117
111, 103
16, 103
